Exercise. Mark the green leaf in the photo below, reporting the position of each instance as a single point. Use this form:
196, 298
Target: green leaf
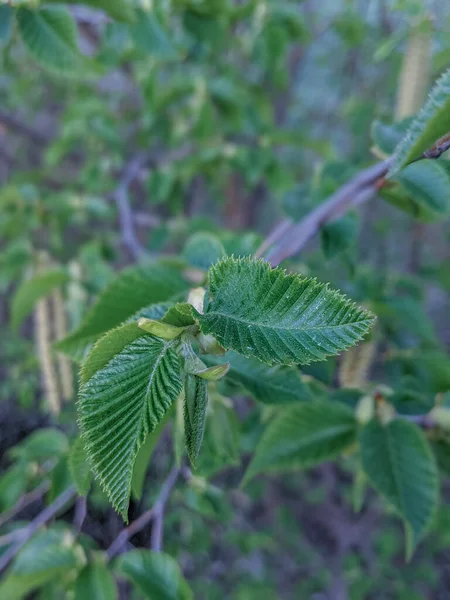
195, 403
149, 36
269, 385
80, 468
42, 445
203, 250
121, 10
160, 329
95, 582
303, 436
133, 289
432, 122
278, 317
400, 465
386, 137
31, 290
50, 35
48, 556
339, 235
155, 574
143, 458
427, 184
121, 404
179, 315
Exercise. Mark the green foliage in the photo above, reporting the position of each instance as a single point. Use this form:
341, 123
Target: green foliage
401, 466
95, 581
195, 405
80, 468
155, 574
41, 445
31, 290
118, 409
303, 436
133, 289
149, 36
276, 317
202, 250
432, 123
50, 35
121, 10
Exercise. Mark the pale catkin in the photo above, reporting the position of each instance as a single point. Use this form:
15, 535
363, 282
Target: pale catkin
355, 365
43, 342
60, 331
415, 73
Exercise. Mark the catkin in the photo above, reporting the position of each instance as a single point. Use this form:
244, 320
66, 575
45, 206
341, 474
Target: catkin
60, 331
43, 342
355, 365
415, 72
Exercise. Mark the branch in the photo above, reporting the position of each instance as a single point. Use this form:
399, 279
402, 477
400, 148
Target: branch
42, 518
16, 124
24, 501
156, 514
358, 190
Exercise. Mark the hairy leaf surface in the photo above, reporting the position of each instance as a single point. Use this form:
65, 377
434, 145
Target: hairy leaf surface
303, 436
401, 466
121, 404
195, 403
278, 317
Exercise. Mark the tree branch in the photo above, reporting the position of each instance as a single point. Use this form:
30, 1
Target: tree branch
24, 501
156, 514
15, 124
42, 518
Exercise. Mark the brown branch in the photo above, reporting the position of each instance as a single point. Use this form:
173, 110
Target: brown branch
156, 514
42, 518
358, 190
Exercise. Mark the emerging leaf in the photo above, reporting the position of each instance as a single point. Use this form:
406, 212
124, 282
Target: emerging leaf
401, 466
159, 329
120, 404
303, 436
195, 403
179, 315
278, 317
432, 122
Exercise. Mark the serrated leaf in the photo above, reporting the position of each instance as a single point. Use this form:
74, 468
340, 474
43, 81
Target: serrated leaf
269, 385
400, 465
303, 436
31, 290
121, 404
179, 315
121, 10
155, 574
46, 557
432, 122
149, 35
203, 250
278, 317
427, 185
50, 35
133, 290
79, 466
195, 403
95, 581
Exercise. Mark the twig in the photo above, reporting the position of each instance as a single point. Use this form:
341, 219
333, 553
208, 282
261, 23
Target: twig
156, 514
16, 124
355, 192
23, 502
42, 518
80, 513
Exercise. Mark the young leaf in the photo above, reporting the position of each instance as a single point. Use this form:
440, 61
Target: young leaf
50, 35
303, 436
432, 122
179, 315
159, 329
155, 574
400, 465
31, 290
278, 317
270, 385
133, 289
79, 467
95, 581
121, 404
195, 403
202, 250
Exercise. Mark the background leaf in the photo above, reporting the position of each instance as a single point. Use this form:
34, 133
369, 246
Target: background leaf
79, 466
278, 318
203, 250
401, 466
95, 581
303, 436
